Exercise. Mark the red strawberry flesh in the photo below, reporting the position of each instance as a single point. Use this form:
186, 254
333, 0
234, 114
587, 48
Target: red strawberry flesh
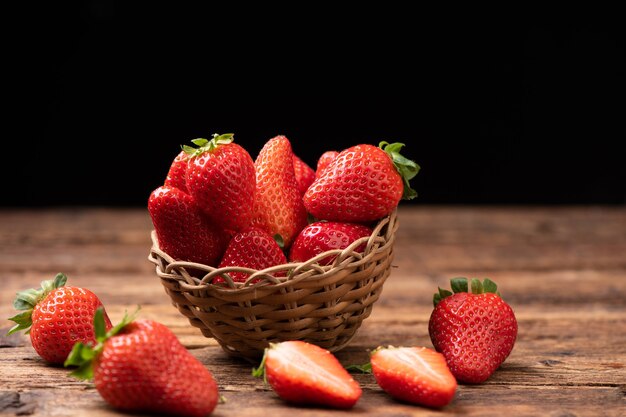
304, 373
414, 374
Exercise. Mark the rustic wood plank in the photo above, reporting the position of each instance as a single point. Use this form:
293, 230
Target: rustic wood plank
562, 270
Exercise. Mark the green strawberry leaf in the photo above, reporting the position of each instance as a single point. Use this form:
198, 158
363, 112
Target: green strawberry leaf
365, 368
260, 370
199, 141
83, 355
279, 240
477, 286
405, 167
458, 284
205, 145
490, 286
99, 325
23, 322
436, 299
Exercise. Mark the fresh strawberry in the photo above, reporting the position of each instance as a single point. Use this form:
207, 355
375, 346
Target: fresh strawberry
57, 317
253, 248
363, 183
304, 174
278, 207
303, 373
414, 374
184, 232
221, 178
177, 175
325, 160
141, 366
474, 330
320, 237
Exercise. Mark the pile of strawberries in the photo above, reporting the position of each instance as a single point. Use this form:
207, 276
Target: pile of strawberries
139, 365
220, 208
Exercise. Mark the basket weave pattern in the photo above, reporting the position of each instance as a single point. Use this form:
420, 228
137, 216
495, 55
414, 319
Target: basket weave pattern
324, 305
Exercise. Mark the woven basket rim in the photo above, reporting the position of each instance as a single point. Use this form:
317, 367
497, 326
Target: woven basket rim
308, 271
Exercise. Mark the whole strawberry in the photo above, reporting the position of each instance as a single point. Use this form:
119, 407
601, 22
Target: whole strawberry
278, 207
325, 160
320, 237
304, 174
177, 175
221, 178
475, 331
184, 232
141, 366
414, 374
57, 317
253, 248
303, 373
362, 184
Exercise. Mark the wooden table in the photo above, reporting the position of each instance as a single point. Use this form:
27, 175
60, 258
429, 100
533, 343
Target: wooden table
563, 270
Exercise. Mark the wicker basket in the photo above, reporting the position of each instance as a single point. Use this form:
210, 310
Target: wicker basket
324, 305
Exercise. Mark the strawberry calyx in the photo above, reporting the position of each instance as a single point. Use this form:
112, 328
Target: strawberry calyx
259, 371
205, 145
460, 284
83, 355
27, 300
405, 167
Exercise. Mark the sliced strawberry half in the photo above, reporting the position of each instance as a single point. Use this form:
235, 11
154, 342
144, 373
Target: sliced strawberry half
303, 373
414, 374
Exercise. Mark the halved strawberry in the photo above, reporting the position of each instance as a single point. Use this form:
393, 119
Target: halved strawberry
414, 374
304, 373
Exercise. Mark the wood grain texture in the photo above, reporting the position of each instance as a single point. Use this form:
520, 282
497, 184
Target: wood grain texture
563, 270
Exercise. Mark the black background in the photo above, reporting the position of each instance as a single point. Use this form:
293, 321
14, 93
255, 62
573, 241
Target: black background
102, 96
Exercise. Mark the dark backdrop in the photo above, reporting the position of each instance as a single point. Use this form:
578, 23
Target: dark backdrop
494, 114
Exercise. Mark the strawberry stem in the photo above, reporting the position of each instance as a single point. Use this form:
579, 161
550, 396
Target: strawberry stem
27, 300
365, 368
460, 284
405, 167
83, 355
205, 145
260, 370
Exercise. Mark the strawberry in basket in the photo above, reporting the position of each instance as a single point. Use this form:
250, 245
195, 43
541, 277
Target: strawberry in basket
362, 184
221, 179
320, 237
278, 206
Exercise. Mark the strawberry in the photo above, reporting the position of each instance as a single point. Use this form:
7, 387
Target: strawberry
176, 177
362, 184
326, 158
141, 366
320, 237
278, 207
57, 317
221, 178
304, 174
184, 232
474, 330
303, 373
253, 248
414, 374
